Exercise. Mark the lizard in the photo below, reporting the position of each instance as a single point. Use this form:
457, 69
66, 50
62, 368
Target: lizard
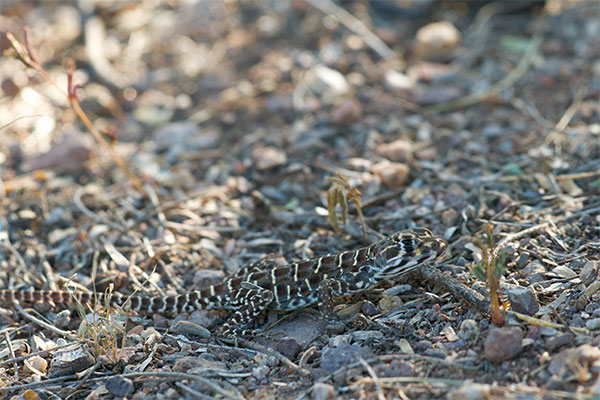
266, 285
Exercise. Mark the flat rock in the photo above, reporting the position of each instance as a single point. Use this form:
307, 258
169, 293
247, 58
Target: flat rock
334, 358
68, 361
593, 323
67, 156
190, 328
395, 368
304, 328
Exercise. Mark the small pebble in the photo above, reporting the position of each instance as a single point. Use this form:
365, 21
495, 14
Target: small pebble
449, 217
393, 175
422, 345
395, 368
589, 272
559, 340
260, 372
187, 363
69, 360
503, 343
339, 340
523, 300
460, 343
368, 308
398, 80
268, 157
63, 319
558, 361
398, 150
322, 391
289, 347
335, 358
206, 277
398, 289
362, 336
522, 260
68, 155
435, 38
189, 328
326, 83
9, 87
389, 303
469, 329
471, 391
437, 353
534, 267
172, 134
119, 386
593, 323
564, 272
347, 112
133, 339
450, 334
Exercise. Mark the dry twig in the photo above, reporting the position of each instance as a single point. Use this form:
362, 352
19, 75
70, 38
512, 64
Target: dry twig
27, 56
355, 25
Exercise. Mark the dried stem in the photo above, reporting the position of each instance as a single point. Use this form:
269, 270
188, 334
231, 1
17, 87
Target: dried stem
28, 57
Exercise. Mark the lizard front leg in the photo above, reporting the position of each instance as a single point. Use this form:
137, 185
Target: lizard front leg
251, 300
330, 288
327, 290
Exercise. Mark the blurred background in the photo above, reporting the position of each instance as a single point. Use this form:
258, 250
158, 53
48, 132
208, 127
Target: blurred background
221, 88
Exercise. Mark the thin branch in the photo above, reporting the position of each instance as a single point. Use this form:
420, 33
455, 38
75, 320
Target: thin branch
355, 25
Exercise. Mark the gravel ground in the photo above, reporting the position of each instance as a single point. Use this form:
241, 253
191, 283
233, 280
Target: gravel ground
228, 117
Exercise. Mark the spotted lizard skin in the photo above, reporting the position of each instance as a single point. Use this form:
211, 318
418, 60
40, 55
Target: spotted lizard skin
265, 285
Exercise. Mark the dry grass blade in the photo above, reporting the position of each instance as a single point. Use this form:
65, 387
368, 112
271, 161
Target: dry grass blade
103, 330
355, 25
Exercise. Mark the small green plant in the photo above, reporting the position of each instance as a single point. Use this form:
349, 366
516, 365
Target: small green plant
336, 195
490, 270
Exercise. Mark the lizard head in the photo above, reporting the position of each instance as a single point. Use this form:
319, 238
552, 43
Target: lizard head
406, 250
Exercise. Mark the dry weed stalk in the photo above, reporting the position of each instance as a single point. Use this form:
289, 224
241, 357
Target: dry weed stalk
490, 270
335, 196
27, 56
